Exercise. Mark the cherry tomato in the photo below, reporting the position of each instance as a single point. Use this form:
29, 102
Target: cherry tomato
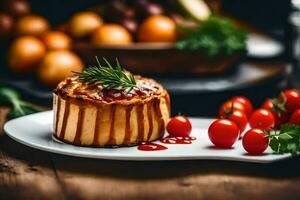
229, 106
223, 133
292, 98
239, 118
179, 126
246, 102
268, 105
262, 119
295, 117
255, 141
279, 116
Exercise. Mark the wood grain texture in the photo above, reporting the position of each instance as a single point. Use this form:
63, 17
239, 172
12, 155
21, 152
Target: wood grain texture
3, 113
176, 180
26, 173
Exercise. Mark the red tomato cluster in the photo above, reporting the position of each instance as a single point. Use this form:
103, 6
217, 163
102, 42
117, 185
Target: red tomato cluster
280, 115
285, 108
295, 117
237, 109
237, 112
262, 119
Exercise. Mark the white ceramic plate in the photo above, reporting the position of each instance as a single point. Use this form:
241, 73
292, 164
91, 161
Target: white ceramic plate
36, 131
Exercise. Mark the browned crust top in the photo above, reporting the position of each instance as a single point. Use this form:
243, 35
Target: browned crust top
73, 90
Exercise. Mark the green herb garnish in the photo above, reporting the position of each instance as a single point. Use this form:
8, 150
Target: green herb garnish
279, 105
11, 98
111, 77
286, 140
215, 36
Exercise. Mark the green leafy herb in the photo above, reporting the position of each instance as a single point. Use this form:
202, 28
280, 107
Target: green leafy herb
286, 140
112, 77
9, 97
215, 36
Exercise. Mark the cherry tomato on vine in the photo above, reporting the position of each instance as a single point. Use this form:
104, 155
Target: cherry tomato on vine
280, 116
268, 105
239, 118
223, 133
245, 102
292, 98
229, 106
295, 118
179, 126
262, 119
255, 141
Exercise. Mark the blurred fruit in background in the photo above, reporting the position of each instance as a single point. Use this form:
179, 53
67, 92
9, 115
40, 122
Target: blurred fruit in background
130, 24
63, 27
84, 23
25, 54
116, 23
6, 25
146, 8
111, 34
157, 28
116, 10
57, 65
195, 9
182, 21
17, 8
34, 25
56, 40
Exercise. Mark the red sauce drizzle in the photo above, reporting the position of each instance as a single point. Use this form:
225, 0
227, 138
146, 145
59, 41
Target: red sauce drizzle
149, 146
178, 140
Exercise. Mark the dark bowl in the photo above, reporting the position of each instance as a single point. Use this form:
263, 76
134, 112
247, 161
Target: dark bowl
158, 58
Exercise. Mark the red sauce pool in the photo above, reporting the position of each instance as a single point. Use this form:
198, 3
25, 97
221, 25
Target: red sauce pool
149, 146
178, 140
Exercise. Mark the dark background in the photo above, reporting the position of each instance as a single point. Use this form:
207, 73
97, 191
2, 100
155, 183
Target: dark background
268, 16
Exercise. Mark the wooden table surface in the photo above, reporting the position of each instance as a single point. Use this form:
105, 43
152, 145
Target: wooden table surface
26, 173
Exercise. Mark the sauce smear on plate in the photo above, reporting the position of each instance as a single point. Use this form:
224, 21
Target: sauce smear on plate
149, 146
178, 140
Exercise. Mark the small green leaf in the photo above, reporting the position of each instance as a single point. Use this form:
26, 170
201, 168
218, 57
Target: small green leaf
274, 144
285, 136
292, 147
10, 97
7, 95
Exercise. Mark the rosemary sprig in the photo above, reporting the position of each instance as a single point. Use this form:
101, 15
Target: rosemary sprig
112, 77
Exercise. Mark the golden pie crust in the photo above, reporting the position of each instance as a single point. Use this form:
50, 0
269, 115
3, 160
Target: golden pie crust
83, 116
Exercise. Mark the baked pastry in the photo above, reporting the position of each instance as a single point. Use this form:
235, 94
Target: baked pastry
92, 114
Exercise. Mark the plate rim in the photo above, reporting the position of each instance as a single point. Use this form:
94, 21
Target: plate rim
82, 154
